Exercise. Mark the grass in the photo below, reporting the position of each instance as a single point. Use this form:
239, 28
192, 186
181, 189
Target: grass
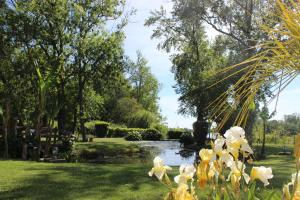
35, 181
108, 147
32, 180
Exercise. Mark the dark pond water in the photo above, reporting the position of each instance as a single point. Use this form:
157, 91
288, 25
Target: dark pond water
169, 151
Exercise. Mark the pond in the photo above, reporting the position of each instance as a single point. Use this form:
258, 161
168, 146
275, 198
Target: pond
170, 151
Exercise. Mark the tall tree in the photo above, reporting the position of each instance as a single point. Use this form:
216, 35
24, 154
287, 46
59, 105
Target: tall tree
97, 52
194, 62
145, 86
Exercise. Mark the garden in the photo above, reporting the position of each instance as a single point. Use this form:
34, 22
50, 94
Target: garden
177, 100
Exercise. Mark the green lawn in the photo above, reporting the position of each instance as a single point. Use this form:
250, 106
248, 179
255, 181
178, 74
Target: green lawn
36, 181
32, 180
108, 146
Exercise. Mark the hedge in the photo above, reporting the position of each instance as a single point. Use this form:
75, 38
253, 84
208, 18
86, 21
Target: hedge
151, 134
123, 132
175, 134
187, 139
101, 129
146, 134
134, 136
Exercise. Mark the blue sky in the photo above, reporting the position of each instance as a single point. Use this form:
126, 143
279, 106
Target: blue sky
138, 38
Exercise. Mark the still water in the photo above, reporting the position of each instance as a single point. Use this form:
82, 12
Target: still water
169, 151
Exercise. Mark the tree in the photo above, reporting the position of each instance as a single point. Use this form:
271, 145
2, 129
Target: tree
145, 86
126, 107
97, 52
194, 62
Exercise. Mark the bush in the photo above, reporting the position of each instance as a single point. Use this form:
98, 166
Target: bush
151, 134
134, 136
175, 134
101, 129
123, 132
186, 139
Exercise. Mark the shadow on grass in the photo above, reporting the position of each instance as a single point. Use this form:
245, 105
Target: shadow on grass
82, 181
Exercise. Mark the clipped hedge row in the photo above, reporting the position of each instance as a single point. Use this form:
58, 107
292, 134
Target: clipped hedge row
135, 134
103, 129
123, 132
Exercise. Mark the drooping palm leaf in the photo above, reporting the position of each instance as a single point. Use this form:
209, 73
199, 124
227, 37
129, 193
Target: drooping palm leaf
276, 65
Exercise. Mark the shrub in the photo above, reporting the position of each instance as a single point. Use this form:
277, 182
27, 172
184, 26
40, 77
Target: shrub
151, 134
175, 134
186, 138
134, 136
101, 129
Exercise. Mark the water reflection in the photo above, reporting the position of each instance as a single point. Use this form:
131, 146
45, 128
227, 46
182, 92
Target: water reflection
169, 151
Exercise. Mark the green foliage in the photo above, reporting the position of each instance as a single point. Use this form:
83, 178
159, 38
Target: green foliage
151, 134
162, 128
69, 66
145, 86
142, 119
133, 136
93, 104
186, 138
125, 108
175, 134
123, 132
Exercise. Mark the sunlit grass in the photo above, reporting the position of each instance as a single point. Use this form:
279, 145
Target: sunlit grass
33, 180
36, 181
108, 146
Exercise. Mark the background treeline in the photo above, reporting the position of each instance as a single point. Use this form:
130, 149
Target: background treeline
277, 129
62, 64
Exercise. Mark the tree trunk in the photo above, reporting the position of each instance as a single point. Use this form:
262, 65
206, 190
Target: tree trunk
200, 128
81, 83
6, 118
48, 140
74, 118
24, 145
262, 152
61, 116
38, 135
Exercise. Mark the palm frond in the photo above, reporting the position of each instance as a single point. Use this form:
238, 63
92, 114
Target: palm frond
276, 65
